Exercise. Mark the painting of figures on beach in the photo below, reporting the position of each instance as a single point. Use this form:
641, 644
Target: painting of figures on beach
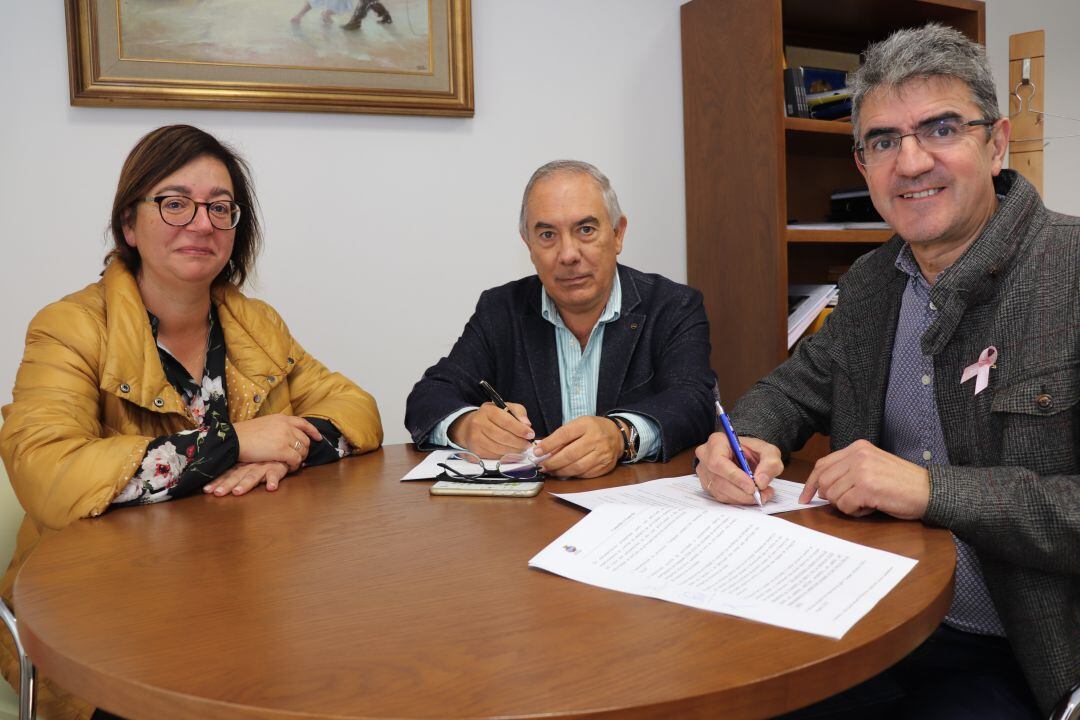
402, 57
366, 35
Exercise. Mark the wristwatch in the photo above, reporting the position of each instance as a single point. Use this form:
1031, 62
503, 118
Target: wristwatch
630, 438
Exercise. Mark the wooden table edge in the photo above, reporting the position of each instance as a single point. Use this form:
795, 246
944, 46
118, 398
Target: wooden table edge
766, 696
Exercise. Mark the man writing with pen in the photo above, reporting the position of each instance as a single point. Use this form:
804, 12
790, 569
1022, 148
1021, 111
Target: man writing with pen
599, 363
948, 380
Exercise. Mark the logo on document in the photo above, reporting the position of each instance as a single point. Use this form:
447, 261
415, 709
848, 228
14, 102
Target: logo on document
570, 548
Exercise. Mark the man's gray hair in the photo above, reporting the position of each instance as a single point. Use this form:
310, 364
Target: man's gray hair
576, 167
933, 50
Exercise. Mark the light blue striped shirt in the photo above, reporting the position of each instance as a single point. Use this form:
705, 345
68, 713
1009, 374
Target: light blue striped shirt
579, 374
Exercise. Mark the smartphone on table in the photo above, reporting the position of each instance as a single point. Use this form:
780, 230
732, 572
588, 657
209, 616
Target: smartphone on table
498, 489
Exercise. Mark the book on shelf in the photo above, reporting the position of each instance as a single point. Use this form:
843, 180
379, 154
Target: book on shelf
816, 92
822, 80
805, 303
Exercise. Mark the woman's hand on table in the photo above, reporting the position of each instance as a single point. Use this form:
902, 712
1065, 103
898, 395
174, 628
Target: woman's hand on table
276, 438
242, 477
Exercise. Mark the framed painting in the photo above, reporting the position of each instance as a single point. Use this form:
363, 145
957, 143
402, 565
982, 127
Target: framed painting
409, 57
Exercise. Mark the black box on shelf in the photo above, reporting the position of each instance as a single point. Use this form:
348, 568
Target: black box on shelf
852, 206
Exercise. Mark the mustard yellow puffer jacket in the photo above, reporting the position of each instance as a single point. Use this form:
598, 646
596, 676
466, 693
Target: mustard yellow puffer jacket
90, 395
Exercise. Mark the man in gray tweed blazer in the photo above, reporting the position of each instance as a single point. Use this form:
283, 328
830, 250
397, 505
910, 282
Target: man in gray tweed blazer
948, 379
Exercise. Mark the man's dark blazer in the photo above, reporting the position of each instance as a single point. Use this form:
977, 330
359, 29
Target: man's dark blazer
654, 362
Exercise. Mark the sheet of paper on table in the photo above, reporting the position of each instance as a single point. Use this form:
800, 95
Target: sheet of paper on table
685, 491
750, 565
429, 468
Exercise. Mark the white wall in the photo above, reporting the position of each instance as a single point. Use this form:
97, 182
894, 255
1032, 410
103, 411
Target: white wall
381, 231
1061, 21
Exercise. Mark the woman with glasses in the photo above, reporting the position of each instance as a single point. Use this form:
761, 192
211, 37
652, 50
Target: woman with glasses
161, 379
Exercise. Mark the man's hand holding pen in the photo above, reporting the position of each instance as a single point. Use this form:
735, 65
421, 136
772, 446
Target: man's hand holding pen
585, 447
721, 476
492, 432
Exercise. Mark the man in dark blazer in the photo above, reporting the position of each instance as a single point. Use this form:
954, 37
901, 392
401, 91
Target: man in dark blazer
948, 380
602, 363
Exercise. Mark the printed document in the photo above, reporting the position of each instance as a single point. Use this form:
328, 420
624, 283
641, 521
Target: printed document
745, 564
685, 491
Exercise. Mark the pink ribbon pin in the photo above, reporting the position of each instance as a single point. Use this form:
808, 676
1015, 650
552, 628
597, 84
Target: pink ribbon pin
981, 369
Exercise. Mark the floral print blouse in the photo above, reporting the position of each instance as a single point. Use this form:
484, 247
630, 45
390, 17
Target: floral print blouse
181, 464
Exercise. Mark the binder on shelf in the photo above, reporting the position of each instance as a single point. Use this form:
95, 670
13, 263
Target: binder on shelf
819, 321
795, 93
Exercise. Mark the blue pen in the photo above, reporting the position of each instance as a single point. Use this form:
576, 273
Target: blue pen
737, 448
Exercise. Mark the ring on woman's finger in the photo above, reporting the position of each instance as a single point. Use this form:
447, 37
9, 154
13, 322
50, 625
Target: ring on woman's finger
298, 446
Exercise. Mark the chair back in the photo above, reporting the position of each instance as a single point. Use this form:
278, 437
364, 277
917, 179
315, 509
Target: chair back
11, 515
1069, 707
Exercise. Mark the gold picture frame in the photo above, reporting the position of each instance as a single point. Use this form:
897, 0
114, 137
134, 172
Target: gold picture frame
189, 54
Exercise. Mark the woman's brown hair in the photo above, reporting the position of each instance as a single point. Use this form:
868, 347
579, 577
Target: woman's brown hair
159, 154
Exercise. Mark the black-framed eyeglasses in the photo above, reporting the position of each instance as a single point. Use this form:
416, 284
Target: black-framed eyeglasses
514, 467
935, 135
179, 210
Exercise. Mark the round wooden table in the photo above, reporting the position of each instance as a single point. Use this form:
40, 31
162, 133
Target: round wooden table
348, 594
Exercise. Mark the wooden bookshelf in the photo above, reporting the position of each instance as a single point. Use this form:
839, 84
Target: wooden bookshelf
829, 127
750, 170
796, 235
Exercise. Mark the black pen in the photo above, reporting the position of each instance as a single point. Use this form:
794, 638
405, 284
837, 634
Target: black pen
497, 399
